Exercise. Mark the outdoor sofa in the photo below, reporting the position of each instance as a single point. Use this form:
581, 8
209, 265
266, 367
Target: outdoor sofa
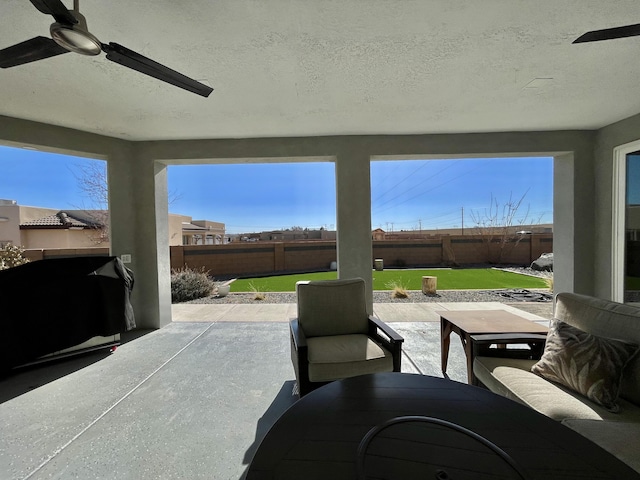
570, 363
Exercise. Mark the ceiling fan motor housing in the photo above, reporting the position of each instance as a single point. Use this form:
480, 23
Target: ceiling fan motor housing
75, 38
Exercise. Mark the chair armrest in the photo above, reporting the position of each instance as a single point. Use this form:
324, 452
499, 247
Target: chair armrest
297, 334
299, 357
393, 342
376, 323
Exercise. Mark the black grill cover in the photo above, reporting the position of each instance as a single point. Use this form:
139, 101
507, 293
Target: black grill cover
52, 304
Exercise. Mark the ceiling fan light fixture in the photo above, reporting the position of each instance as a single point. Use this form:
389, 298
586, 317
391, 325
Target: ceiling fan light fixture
75, 39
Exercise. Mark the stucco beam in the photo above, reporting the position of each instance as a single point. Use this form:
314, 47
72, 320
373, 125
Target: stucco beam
16, 132
375, 146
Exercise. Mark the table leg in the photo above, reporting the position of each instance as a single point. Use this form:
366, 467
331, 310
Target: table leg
445, 341
468, 351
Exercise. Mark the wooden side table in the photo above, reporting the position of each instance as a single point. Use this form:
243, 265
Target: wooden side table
479, 322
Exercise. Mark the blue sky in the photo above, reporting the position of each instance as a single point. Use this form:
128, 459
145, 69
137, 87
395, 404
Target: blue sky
255, 197
633, 179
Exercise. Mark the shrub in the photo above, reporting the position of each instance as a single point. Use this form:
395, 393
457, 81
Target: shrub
398, 290
12, 256
258, 294
188, 284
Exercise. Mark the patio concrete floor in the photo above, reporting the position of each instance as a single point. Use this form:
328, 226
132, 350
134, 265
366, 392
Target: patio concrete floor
191, 400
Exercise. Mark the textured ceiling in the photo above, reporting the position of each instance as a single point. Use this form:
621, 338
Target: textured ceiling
332, 67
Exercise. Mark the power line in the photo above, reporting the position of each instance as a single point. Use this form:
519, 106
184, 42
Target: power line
404, 179
415, 186
427, 191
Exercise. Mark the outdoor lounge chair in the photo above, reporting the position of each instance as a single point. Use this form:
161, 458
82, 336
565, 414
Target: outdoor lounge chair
333, 336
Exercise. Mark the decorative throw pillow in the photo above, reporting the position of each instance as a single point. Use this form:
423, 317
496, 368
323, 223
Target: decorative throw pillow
587, 364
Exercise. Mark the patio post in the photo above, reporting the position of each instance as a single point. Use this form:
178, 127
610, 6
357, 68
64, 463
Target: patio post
139, 227
353, 205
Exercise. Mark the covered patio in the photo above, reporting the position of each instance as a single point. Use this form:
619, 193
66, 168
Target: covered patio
191, 400
346, 82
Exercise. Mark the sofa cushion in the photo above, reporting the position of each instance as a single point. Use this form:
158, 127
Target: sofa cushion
585, 363
342, 356
512, 378
605, 319
622, 439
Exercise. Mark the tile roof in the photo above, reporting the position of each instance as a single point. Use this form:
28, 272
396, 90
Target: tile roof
191, 226
69, 219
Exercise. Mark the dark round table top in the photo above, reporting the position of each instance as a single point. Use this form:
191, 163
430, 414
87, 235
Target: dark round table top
318, 436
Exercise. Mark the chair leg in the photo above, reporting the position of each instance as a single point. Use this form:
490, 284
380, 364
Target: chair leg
301, 369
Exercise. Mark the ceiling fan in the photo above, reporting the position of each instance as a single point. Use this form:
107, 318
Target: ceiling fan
69, 33
609, 34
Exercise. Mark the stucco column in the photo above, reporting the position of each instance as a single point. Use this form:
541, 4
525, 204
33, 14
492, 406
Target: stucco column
573, 223
353, 205
139, 227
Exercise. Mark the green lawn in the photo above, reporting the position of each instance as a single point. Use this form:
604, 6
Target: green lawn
454, 279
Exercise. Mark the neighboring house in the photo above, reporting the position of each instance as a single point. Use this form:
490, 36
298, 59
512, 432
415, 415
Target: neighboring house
37, 227
290, 235
66, 229
203, 232
378, 234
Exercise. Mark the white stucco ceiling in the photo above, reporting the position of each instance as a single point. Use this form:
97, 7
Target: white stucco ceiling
332, 67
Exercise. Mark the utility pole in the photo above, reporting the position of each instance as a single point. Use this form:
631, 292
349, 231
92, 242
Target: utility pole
420, 225
462, 220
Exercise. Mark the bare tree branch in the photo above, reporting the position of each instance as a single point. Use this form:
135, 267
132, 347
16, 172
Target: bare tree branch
496, 225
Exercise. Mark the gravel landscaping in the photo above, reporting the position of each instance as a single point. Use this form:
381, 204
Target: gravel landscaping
415, 296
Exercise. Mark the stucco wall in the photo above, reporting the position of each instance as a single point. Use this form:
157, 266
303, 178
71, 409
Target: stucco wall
175, 228
17, 214
607, 140
9, 231
59, 238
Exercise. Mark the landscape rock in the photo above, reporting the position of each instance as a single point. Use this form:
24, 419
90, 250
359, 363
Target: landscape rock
543, 263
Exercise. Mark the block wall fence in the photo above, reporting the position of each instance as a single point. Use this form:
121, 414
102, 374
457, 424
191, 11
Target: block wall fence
261, 258
247, 259
42, 253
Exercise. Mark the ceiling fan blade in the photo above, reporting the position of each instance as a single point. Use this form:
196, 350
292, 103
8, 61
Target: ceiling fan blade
37, 48
129, 58
57, 9
609, 34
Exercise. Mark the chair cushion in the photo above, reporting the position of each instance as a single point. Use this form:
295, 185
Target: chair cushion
342, 356
587, 364
332, 307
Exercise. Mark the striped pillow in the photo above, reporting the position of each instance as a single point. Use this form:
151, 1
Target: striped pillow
585, 363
